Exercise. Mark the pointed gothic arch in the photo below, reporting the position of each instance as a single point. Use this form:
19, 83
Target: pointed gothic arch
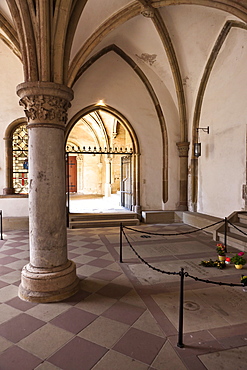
135, 165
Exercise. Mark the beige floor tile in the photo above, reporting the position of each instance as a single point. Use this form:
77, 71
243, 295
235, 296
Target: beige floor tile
22, 255
47, 366
147, 323
8, 292
114, 267
147, 250
83, 259
198, 316
231, 359
87, 270
127, 253
4, 344
133, 298
114, 360
167, 359
113, 238
105, 332
80, 251
187, 247
148, 276
230, 303
7, 312
12, 277
45, 341
96, 304
93, 285
47, 311
122, 280
17, 265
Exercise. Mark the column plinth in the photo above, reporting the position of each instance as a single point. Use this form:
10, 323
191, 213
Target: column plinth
48, 285
50, 276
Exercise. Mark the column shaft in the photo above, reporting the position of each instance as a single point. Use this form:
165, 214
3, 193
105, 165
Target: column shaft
49, 276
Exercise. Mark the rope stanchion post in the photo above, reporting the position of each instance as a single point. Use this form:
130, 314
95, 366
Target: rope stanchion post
1, 225
121, 243
181, 310
225, 234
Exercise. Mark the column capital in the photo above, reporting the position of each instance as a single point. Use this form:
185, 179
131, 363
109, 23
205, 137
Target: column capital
183, 148
45, 103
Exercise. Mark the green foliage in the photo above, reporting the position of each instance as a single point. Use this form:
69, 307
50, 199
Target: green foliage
238, 259
210, 263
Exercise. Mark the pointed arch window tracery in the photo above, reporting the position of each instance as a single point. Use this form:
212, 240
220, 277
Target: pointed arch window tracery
20, 159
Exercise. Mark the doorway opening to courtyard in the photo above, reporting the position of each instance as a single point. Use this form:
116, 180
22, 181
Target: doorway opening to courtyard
102, 164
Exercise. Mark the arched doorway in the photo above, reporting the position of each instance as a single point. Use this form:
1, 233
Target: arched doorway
102, 162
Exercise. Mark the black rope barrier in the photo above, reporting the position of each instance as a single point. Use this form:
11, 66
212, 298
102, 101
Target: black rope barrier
210, 281
182, 273
237, 228
186, 274
184, 233
145, 262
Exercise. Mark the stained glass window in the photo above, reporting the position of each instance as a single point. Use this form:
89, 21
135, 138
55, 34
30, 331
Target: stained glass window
20, 159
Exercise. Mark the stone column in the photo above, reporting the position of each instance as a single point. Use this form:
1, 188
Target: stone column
108, 178
49, 276
183, 148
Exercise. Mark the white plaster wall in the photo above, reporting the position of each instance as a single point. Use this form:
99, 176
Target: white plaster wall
14, 207
222, 166
11, 75
121, 89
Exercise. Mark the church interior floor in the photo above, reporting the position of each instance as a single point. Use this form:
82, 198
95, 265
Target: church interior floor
126, 315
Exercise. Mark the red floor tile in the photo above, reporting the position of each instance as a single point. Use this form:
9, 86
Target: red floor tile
15, 358
95, 254
114, 290
6, 260
20, 305
100, 263
124, 313
78, 354
140, 345
74, 320
19, 327
105, 274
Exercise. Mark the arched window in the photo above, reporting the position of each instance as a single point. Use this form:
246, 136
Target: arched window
16, 154
20, 159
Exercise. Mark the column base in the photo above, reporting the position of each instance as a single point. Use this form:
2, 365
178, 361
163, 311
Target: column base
48, 285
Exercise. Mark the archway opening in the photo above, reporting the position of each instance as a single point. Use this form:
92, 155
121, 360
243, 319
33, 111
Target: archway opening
99, 152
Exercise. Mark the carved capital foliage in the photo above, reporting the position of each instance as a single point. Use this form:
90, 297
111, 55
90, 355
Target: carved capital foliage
45, 108
183, 148
45, 103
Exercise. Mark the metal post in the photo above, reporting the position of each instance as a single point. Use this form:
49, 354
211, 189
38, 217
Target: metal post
121, 243
225, 234
181, 304
1, 220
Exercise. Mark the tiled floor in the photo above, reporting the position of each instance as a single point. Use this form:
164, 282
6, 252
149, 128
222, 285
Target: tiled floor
126, 314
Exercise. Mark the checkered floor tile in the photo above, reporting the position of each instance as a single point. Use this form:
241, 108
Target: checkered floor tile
125, 315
